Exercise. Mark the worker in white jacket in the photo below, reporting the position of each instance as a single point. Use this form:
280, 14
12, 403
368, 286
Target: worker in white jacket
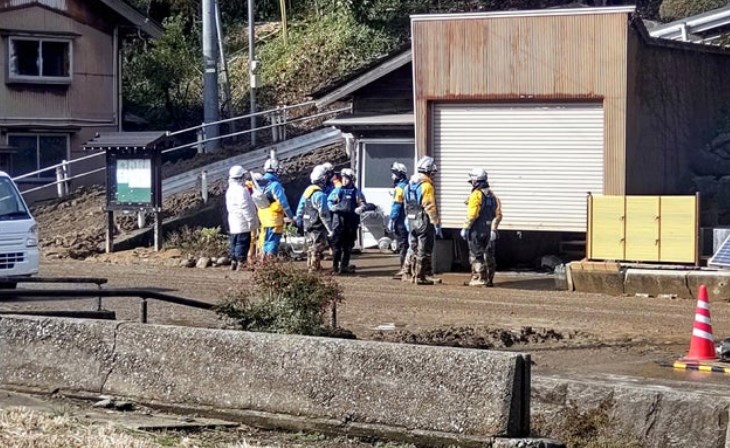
241, 217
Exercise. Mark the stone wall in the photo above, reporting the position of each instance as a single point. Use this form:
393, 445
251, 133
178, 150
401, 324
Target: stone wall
468, 392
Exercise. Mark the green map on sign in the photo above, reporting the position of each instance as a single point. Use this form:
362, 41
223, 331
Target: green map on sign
134, 180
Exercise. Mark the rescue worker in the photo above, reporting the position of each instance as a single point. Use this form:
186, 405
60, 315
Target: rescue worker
257, 184
314, 218
274, 216
332, 181
397, 223
254, 231
484, 213
423, 223
346, 203
242, 218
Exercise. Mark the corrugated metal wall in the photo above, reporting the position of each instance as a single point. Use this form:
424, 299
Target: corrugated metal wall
538, 58
91, 93
676, 99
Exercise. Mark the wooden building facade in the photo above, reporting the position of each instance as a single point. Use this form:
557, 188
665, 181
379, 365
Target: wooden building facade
61, 68
559, 103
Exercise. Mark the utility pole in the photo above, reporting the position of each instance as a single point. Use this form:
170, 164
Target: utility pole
210, 76
225, 81
252, 66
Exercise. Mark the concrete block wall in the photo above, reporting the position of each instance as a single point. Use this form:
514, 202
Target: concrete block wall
468, 392
661, 414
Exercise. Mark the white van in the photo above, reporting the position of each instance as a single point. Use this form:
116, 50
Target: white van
18, 233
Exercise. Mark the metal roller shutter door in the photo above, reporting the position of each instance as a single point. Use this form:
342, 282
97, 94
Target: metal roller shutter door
542, 160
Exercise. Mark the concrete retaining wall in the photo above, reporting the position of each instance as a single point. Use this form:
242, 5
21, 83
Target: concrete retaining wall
470, 392
681, 283
663, 414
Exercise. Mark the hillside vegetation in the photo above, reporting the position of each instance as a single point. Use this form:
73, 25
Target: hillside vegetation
327, 39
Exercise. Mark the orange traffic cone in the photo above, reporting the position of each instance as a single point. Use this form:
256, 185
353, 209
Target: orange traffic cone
702, 344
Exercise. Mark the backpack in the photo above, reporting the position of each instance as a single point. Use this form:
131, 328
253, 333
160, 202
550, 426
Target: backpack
260, 197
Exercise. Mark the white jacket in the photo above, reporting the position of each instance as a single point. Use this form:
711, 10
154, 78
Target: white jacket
241, 209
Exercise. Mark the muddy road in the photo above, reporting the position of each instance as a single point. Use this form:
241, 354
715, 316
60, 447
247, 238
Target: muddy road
565, 332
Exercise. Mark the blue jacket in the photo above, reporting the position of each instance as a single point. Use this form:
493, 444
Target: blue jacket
397, 210
345, 199
275, 189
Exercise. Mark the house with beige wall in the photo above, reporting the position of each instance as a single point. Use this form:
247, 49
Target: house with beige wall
61, 69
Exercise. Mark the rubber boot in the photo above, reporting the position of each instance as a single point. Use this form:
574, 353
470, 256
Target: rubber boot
345, 266
490, 278
336, 258
315, 264
479, 278
420, 277
234, 265
428, 271
407, 270
399, 275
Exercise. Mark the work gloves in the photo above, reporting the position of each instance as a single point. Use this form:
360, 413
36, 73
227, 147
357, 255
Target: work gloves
464, 234
439, 232
493, 235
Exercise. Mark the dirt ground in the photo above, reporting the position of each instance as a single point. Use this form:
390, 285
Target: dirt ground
565, 332
44, 421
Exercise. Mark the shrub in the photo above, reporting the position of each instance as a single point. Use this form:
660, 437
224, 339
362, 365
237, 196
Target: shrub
284, 299
679, 9
199, 242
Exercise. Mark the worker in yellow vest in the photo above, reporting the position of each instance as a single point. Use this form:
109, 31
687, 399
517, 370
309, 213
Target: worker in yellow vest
484, 213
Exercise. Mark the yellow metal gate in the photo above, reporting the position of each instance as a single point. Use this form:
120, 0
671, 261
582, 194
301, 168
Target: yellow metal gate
643, 228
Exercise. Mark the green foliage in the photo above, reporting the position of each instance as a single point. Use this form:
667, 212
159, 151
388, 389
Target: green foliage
162, 77
284, 299
323, 49
199, 242
679, 9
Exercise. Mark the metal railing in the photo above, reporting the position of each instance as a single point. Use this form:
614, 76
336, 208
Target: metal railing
279, 117
42, 295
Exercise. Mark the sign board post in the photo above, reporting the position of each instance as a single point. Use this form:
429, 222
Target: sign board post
133, 183
133, 176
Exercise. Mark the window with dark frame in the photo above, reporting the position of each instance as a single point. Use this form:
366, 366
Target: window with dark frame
36, 151
39, 60
379, 157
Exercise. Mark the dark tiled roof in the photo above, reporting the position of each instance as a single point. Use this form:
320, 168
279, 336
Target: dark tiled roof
139, 140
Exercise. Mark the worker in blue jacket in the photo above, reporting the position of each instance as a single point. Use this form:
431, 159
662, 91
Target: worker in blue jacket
346, 203
397, 223
277, 213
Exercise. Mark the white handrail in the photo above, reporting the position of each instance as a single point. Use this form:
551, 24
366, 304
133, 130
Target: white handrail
260, 128
187, 145
240, 117
64, 180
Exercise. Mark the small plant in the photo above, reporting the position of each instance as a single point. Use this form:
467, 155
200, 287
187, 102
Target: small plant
199, 242
284, 299
210, 234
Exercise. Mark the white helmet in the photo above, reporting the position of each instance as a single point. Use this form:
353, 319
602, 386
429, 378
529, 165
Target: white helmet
257, 176
319, 175
477, 175
328, 167
427, 165
271, 166
347, 172
399, 169
236, 172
